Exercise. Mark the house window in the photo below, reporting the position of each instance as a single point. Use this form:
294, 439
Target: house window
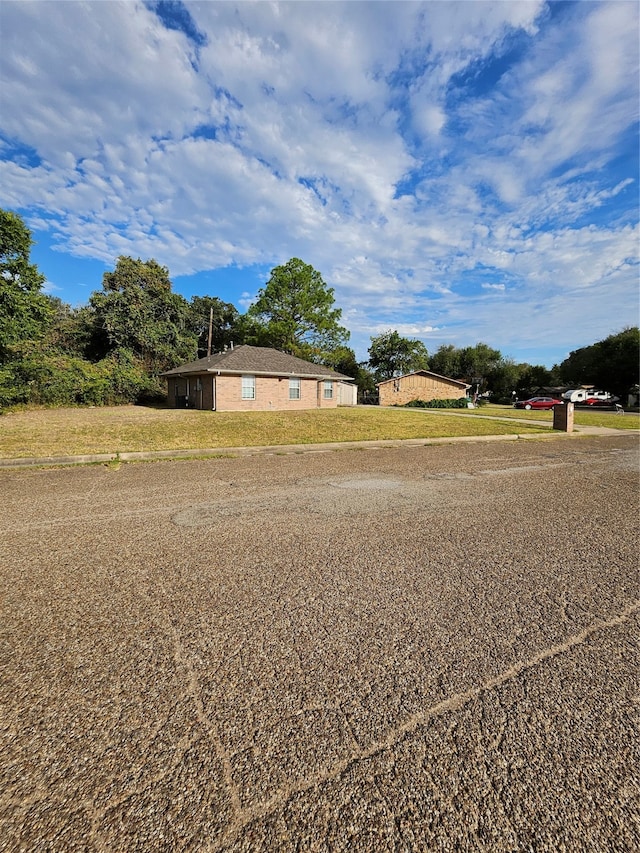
248, 387
328, 389
294, 389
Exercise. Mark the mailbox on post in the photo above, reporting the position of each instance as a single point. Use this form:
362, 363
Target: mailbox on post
563, 417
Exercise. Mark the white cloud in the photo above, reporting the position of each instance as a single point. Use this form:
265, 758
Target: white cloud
291, 131
410, 330
51, 288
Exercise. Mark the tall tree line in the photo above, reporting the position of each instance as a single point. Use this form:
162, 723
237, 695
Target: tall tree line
612, 364
115, 348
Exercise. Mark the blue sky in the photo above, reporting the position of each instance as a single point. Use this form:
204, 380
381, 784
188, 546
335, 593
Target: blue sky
460, 172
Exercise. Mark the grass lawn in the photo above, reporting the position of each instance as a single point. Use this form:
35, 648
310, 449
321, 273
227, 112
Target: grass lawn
120, 429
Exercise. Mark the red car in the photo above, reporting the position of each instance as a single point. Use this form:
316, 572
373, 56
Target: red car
538, 403
609, 403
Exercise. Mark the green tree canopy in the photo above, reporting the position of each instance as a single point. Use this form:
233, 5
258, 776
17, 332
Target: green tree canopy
295, 312
137, 311
468, 363
506, 378
392, 355
343, 359
533, 377
71, 330
225, 326
446, 361
612, 364
479, 361
24, 310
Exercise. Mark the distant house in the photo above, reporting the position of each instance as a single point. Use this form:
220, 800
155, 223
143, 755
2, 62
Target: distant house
420, 385
253, 379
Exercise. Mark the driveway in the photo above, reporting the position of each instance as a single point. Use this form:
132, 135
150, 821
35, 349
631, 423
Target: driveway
401, 649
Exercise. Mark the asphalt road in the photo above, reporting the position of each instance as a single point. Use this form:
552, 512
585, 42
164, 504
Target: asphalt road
413, 649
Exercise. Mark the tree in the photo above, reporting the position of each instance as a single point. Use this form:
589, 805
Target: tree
294, 312
392, 355
478, 365
137, 311
71, 330
478, 362
503, 379
24, 310
612, 364
225, 326
343, 359
532, 378
446, 361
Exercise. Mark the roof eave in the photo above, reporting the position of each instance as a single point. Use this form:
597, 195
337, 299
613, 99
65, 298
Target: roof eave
221, 371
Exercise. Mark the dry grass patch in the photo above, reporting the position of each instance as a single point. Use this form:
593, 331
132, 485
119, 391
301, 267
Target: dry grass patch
121, 429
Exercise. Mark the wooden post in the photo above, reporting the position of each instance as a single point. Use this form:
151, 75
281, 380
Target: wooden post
210, 330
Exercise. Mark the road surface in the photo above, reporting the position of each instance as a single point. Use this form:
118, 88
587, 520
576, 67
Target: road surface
407, 649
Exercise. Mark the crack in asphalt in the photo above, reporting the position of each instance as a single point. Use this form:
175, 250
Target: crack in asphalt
416, 721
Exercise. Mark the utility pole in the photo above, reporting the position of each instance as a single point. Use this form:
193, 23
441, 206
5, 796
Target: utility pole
210, 330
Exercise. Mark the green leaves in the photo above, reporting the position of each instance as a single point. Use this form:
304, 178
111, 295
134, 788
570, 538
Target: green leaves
392, 355
612, 364
24, 310
225, 323
295, 312
138, 311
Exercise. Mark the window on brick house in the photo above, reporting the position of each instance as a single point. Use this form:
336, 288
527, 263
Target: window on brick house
294, 389
248, 387
328, 389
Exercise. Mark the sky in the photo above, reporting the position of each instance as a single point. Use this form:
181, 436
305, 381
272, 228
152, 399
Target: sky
456, 171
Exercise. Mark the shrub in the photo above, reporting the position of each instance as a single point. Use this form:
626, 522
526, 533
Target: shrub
127, 378
11, 393
57, 379
460, 403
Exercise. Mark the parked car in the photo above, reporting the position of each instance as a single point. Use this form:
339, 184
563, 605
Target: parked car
608, 402
538, 403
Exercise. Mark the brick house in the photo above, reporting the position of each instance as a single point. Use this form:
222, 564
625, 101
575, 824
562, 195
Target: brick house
254, 379
420, 385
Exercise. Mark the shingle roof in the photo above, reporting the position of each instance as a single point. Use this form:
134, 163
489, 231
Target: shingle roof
256, 360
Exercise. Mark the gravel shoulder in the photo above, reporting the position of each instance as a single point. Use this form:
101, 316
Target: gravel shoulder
402, 648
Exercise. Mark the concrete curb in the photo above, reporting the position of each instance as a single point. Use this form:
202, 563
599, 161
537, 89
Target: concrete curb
286, 449
86, 459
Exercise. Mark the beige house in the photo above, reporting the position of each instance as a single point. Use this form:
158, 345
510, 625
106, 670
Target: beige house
254, 379
420, 385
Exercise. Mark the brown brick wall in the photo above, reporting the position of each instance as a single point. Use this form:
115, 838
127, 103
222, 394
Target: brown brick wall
271, 394
398, 392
